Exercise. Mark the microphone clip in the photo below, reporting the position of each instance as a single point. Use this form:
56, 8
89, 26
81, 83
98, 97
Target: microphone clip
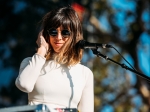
98, 54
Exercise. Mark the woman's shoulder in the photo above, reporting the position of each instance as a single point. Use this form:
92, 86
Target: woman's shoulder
83, 71
82, 67
34, 57
26, 60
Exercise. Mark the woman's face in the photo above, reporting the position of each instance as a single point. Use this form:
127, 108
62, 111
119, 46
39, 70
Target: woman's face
58, 37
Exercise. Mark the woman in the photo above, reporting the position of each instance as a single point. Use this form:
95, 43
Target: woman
53, 75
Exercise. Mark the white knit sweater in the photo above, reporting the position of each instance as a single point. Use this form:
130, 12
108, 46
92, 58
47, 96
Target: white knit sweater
55, 85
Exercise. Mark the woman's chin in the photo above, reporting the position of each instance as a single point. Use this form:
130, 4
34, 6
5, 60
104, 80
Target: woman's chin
57, 50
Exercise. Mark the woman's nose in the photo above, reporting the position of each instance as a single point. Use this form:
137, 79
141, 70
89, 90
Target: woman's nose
59, 36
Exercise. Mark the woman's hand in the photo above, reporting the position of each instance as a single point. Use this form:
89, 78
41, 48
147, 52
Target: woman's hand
42, 45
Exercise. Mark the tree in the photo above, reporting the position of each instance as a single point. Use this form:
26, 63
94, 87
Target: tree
128, 42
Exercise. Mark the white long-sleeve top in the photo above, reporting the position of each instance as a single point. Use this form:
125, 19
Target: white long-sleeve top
55, 85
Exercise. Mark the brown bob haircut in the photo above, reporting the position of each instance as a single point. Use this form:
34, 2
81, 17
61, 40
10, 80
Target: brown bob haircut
67, 18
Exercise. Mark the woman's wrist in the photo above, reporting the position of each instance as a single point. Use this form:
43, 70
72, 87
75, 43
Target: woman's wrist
42, 51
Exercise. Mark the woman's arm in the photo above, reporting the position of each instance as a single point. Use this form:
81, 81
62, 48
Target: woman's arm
29, 72
30, 67
87, 99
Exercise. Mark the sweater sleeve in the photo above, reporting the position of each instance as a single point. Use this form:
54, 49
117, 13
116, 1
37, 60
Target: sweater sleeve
29, 72
86, 103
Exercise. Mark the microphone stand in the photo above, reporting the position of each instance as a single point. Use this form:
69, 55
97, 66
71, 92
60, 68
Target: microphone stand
122, 65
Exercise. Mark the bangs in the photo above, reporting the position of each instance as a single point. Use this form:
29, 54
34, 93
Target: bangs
59, 20
66, 23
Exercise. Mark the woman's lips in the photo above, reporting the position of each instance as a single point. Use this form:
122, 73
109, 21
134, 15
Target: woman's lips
58, 44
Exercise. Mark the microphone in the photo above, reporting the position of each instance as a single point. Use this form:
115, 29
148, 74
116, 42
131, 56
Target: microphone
84, 45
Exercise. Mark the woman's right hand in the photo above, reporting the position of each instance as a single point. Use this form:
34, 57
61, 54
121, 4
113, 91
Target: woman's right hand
42, 45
